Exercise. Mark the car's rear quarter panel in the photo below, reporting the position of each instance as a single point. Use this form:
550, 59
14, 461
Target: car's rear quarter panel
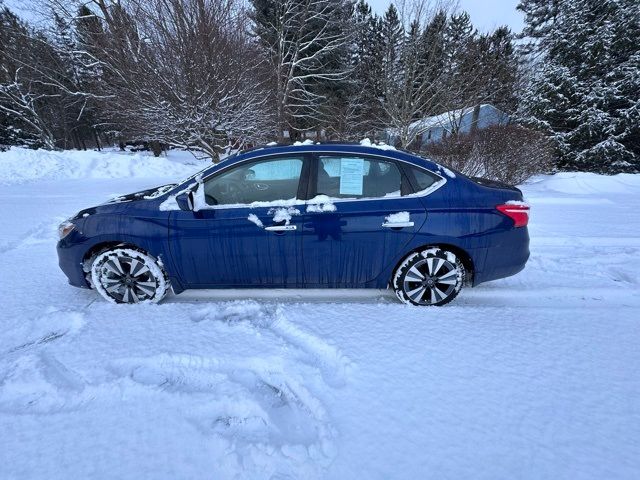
462, 214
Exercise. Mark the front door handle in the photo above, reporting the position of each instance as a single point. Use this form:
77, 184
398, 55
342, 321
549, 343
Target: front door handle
280, 228
397, 224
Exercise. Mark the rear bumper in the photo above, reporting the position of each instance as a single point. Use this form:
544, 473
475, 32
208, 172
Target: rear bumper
70, 256
506, 258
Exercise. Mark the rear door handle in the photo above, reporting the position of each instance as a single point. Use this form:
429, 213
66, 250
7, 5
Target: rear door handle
280, 228
397, 224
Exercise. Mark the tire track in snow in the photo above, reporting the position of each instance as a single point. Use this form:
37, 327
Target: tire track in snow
263, 407
52, 325
44, 232
32, 380
270, 421
38, 383
332, 363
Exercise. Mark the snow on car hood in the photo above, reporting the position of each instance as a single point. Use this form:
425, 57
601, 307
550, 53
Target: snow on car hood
142, 195
148, 194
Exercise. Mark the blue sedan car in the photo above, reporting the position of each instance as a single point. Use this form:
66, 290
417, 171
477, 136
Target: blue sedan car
334, 216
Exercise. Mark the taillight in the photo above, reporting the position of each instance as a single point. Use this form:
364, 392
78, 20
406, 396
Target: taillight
518, 212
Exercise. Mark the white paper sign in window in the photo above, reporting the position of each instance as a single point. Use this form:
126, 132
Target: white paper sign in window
351, 176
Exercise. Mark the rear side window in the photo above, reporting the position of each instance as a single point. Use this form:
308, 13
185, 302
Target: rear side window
344, 176
422, 179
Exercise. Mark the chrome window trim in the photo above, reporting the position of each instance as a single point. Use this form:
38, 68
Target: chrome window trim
423, 193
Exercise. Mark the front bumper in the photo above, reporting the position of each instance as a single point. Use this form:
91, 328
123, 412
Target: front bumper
70, 257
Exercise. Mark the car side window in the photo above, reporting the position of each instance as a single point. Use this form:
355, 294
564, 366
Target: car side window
260, 181
347, 176
422, 179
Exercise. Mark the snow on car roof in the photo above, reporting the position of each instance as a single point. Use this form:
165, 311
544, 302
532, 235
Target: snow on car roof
333, 147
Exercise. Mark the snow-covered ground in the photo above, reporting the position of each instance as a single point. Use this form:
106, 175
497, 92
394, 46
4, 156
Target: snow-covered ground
536, 376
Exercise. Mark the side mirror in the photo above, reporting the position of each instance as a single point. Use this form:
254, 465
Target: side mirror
185, 201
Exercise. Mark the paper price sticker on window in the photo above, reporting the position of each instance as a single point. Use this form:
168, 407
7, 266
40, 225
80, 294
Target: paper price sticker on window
351, 176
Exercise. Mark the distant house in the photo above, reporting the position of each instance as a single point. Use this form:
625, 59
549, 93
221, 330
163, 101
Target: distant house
435, 128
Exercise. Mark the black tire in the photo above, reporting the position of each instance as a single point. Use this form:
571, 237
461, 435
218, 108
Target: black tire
432, 277
127, 275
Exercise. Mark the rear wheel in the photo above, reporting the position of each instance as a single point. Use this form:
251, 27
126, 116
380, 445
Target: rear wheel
432, 277
126, 275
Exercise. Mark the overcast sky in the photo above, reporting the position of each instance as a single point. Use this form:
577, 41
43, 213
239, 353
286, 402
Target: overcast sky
485, 14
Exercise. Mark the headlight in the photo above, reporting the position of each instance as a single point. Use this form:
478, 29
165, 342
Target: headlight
65, 229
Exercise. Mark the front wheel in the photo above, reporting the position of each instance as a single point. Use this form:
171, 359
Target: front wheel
126, 275
432, 277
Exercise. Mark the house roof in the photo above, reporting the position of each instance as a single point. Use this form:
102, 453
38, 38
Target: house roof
443, 120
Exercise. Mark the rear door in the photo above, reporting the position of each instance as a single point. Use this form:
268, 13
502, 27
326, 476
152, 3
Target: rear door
359, 218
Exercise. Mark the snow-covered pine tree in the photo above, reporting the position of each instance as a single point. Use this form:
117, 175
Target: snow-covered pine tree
585, 90
540, 18
432, 58
504, 64
363, 115
458, 36
392, 37
417, 86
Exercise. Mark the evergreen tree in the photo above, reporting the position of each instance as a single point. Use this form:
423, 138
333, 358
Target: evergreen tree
392, 38
505, 67
363, 115
432, 59
540, 19
498, 62
586, 90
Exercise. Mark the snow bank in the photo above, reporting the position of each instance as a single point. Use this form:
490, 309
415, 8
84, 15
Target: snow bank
20, 165
582, 183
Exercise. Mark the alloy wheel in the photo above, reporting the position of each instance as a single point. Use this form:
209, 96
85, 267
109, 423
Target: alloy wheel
127, 279
431, 280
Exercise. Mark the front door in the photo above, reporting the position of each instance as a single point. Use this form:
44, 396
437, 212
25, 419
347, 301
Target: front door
248, 233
